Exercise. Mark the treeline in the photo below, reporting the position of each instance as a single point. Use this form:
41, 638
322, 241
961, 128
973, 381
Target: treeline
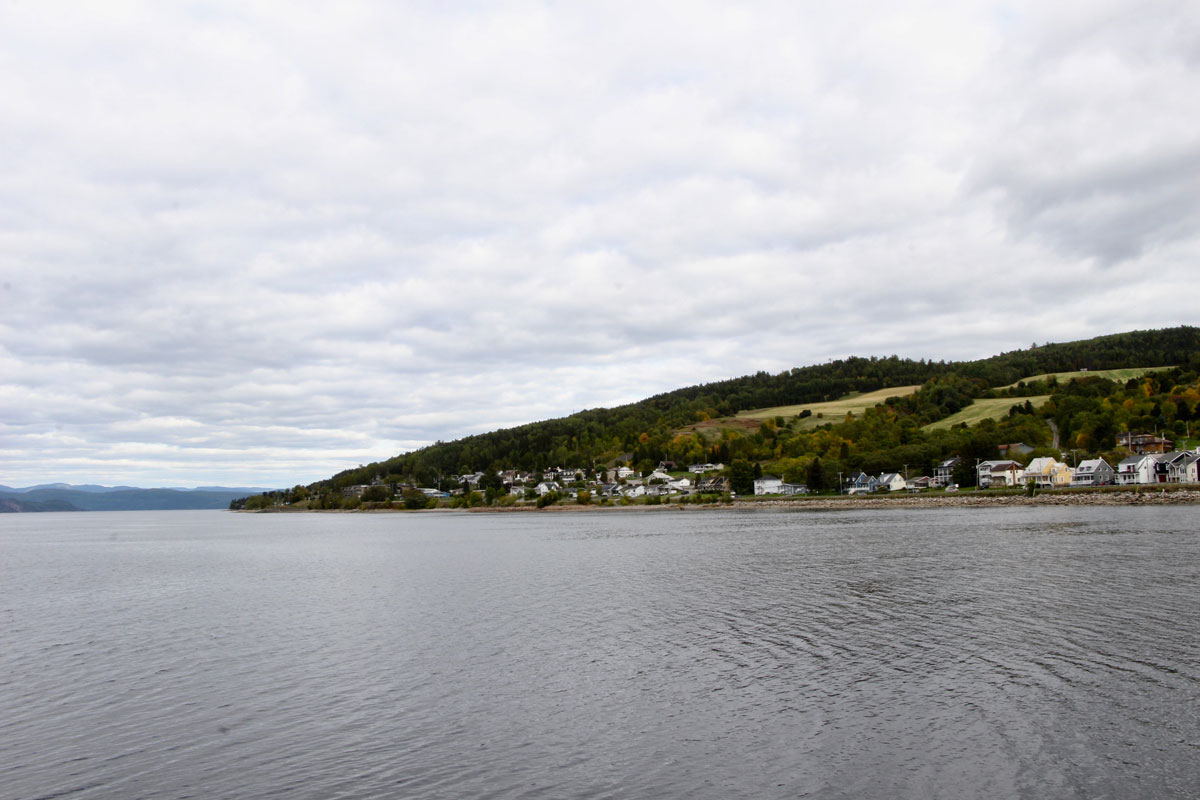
886, 437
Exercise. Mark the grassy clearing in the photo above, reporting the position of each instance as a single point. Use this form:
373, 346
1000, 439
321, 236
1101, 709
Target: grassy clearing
1110, 374
986, 408
833, 410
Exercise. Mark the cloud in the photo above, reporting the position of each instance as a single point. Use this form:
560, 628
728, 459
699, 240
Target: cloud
258, 244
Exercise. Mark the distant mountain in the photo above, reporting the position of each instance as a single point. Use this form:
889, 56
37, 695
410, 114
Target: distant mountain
97, 489
10, 504
64, 497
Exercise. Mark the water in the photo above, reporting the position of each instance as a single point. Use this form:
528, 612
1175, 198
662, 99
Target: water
870, 654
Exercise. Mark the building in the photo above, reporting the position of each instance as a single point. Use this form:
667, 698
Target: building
862, 482
1094, 472
768, 484
1181, 467
1140, 443
713, 485
1005, 472
943, 474
1048, 473
892, 482
1139, 469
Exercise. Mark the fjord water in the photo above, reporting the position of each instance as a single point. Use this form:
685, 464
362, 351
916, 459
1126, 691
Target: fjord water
864, 654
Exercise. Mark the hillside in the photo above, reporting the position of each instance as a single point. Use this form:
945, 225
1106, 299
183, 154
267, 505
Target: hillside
748, 417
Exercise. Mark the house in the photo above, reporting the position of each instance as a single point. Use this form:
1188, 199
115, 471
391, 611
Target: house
768, 484
1186, 469
1048, 473
944, 472
546, 487
1094, 472
1138, 469
1004, 472
700, 469
919, 484
1015, 449
892, 482
660, 476
1179, 467
793, 488
1141, 443
355, 491
634, 490
713, 485
862, 482
624, 472
680, 485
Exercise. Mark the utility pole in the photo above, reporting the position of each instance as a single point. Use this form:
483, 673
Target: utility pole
839, 482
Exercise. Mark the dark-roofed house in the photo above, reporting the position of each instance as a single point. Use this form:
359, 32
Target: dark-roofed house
1094, 472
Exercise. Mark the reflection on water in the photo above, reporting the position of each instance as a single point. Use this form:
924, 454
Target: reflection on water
953, 653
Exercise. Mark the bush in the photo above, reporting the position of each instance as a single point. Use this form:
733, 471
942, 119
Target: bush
414, 499
376, 494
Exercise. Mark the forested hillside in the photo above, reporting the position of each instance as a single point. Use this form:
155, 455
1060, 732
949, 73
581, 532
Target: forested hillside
668, 426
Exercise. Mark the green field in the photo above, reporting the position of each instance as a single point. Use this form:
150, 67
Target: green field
986, 408
836, 410
833, 410
1110, 374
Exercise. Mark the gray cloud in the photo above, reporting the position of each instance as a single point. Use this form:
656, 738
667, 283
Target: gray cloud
261, 244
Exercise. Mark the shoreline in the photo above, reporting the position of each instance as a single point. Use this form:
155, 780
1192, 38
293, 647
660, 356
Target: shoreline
1131, 497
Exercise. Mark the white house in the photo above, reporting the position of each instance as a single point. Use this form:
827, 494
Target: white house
1181, 466
700, 469
999, 473
793, 488
892, 482
546, 487
768, 484
943, 473
1188, 468
1137, 469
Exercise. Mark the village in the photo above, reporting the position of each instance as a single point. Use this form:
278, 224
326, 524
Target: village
1151, 460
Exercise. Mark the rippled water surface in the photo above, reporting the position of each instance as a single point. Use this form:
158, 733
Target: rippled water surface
869, 654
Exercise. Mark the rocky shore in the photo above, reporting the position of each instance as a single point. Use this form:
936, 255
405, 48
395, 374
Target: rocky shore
1140, 496
1143, 496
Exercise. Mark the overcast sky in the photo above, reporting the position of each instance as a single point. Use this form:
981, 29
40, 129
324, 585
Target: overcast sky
256, 243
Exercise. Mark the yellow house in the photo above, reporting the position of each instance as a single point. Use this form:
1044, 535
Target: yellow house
1048, 473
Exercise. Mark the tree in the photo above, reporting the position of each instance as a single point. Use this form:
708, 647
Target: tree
964, 473
741, 476
816, 476
376, 494
414, 498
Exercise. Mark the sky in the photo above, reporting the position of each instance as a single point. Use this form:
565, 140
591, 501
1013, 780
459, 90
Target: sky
256, 243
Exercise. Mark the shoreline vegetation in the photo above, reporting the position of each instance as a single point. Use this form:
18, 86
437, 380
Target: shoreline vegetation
1108, 496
